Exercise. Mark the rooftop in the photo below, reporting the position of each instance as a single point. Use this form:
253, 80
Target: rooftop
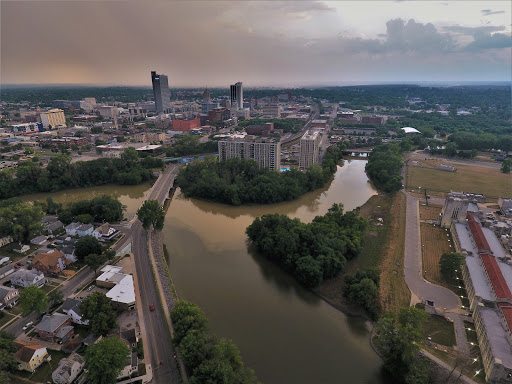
480, 282
124, 291
497, 336
410, 130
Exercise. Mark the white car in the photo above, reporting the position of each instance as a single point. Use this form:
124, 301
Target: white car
90, 288
27, 325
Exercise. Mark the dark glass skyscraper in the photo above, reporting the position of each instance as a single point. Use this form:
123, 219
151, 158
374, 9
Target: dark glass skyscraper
237, 95
161, 92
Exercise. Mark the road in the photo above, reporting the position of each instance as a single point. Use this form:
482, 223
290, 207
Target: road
469, 163
154, 321
295, 136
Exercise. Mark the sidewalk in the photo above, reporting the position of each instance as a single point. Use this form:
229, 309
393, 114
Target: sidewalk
446, 366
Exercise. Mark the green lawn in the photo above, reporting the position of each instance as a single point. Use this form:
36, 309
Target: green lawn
5, 318
440, 331
15, 256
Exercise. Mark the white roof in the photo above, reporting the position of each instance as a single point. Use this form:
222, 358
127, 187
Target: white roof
410, 130
494, 243
108, 272
479, 279
124, 291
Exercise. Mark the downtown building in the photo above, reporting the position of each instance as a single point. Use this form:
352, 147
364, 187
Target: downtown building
309, 149
161, 92
53, 119
487, 275
265, 151
237, 95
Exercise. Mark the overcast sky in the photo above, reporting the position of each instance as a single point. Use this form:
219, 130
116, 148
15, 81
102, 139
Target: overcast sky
216, 43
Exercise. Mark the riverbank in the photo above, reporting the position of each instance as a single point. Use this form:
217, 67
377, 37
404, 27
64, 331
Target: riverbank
383, 248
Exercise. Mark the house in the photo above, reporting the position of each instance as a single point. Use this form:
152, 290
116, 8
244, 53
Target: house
85, 230
73, 344
39, 240
52, 262
122, 291
6, 270
69, 253
30, 355
49, 219
105, 232
92, 339
5, 240
68, 370
71, 228
54, 227
9, 296
131, 367
71, 307
21, 248
24, 278
56, 328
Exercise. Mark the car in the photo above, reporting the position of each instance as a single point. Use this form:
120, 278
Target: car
28, 325
21, 263
151, 307
90, 288
16, 266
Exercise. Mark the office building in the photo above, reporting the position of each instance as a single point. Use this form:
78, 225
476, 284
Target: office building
237, 95
266, 152
25, 128
53, 119
309, 149
108, 111
161, 92
206, 96
206, 106
272, 111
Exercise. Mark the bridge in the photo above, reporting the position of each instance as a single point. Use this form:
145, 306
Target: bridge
357, 151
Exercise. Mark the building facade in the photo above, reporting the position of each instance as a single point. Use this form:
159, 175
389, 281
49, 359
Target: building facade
272, 111
161, 92
266, 152
53, 118
237, 95
309, 149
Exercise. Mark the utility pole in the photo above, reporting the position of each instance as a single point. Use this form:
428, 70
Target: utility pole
426, 197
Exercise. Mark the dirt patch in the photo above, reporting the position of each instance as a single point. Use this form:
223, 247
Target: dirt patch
434, 242
431, 212
68, 272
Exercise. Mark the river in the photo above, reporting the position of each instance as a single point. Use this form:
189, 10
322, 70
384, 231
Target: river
285, 333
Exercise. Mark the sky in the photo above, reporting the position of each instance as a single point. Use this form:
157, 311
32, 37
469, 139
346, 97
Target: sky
280, 43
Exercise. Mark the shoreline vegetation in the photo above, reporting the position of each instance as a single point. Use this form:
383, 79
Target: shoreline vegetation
239, 182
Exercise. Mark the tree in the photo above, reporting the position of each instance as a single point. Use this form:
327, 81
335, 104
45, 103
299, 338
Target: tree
55, 297
87, 245
20, 220
94, 261
105, 360
52, 207
98, 310
363, 293
33, 298
449, 263
66, 216
185, 318
398, 335
84, 218
151, 214
505, 167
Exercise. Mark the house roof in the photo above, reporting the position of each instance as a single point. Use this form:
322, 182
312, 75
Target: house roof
38, 239
70, 304
25, 275
26, 351
4, 291
63, 331
73, 226
129, 335
85, 227
50, 259
63, 371
56, 225
51, 323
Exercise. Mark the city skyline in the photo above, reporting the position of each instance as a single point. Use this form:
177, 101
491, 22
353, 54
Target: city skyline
260, 43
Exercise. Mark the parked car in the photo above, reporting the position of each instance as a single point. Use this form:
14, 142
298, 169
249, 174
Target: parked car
90, 288
151, 307
16, 266
28, 325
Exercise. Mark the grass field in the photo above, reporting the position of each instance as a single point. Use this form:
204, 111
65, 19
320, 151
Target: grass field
489, 181
429, 213
383, 248
440, 331
5, 318
434, 243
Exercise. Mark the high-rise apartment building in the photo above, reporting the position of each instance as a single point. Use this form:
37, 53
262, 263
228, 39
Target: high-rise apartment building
161, 92
266, 152
53, 118
237, 95
309, 149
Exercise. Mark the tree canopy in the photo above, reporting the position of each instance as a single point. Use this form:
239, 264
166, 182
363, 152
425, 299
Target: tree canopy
384, 166
210, 360
20, 220
7, 361
151, 214
311, 252
106, 359
87, 245
363, 289
449, 263
97, 308
33, 298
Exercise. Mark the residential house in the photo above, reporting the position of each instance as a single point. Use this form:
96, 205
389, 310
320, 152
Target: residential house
92, 339
105, 232
6, 270
131, 367
30, 355
73, 344
39, 240
85, 230
71, 307
54, 227
69, 253
49, 219
56, 328
21, 248
24, 278
71, 228
52, 262
5, 240
68, 370
9, 296
130, 335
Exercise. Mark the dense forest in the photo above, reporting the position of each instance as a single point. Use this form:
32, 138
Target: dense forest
208, 360
60, 173
384, 166
190, 145
238, 181
312, 252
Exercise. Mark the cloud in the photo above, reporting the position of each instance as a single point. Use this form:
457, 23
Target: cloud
488, 12
485, 41
472, 31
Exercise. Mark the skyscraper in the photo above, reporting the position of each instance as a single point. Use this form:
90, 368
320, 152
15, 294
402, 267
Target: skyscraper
309, 149
161, 92
237, 95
